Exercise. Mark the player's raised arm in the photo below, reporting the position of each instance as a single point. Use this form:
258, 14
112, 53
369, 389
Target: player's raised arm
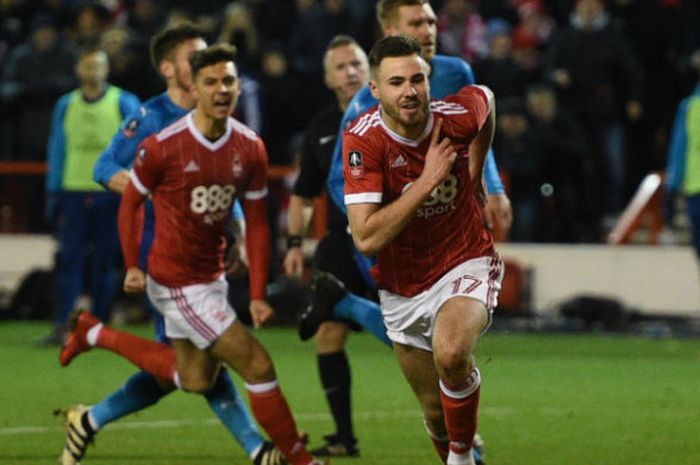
478, 149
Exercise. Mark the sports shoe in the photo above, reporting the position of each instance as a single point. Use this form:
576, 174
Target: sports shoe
80, 323
269, 455
478, 450
326, 291
78, 435
334, 447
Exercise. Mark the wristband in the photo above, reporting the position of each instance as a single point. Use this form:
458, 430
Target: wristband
293, 241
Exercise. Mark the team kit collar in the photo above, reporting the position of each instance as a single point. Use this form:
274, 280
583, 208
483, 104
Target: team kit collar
215, 145
404, 140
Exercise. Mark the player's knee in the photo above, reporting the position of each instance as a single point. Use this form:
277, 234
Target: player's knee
331, 337
196, 384
452, 359
261, 369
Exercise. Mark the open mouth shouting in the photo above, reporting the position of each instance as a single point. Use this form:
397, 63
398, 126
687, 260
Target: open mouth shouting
223, 103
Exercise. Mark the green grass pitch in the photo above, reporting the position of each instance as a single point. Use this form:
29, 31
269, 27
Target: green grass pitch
546, 400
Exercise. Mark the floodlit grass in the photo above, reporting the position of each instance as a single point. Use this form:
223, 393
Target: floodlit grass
546, 399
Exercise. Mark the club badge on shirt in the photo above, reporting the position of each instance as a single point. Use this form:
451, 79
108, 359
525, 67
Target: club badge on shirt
355, 163
130, 128
141, 156
237, 166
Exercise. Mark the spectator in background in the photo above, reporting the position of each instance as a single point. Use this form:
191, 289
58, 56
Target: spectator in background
535, 26
274, 19
461, 30
238, 29
249, 106
650, 28
82, 126
90, 20
129, 66
279, 104
498, 70
503, 9
36, 73
564, 149
521, 157
599, 78
145, 17
315, 27
683, 170
530, 36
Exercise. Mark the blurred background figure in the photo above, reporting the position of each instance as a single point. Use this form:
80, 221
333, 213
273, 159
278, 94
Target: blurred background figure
36, 73
683, 170
89, 23
85, 216
598, 76
520, 156
315, 27
239, 29
461, 30
498, 70
129, 65
563, 144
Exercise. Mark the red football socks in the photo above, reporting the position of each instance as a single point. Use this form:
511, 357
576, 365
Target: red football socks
460, 405
153, 357
272, 412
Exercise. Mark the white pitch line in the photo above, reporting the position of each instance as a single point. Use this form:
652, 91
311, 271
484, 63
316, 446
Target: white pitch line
170, 424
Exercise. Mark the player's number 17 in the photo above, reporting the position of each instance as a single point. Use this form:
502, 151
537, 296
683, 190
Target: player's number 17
465, 284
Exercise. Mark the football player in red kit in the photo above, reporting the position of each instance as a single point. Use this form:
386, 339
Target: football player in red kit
193, 170
414, 190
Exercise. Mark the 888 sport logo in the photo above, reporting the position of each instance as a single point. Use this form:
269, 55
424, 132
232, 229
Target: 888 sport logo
441, 199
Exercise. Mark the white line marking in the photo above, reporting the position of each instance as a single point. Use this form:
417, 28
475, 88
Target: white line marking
170, 424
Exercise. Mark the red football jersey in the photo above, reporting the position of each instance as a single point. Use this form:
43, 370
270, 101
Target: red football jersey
448, 229
193, 182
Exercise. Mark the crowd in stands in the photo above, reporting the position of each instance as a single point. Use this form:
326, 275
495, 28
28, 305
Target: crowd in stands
586, 89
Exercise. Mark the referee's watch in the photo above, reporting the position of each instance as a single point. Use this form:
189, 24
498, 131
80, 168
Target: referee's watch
293, 240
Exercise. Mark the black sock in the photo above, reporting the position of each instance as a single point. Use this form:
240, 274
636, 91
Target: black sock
335, 377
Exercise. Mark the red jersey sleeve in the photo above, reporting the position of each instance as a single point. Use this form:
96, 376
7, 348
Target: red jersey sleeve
257, 185
362, 169
257, 227
148, 169
477, 100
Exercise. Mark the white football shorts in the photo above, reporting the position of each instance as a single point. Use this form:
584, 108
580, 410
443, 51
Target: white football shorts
410, 320
199, 312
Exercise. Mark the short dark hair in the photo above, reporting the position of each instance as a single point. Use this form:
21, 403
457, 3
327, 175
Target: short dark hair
386, 9
393, 46
166, 41
211, 55
341, 40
